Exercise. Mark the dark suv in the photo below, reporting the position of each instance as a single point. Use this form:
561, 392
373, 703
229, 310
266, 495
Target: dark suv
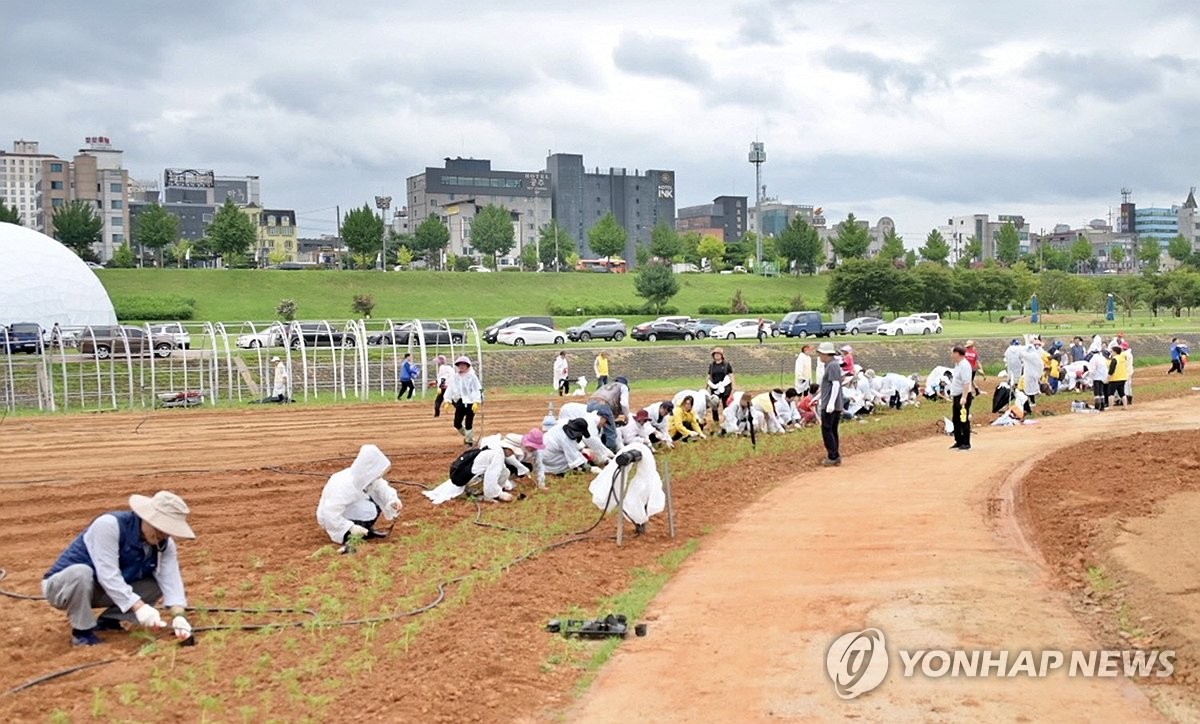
489, 334
318, 334
21, 337
435, 333
599, 328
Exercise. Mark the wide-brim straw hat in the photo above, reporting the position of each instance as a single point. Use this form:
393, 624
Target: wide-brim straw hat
166, 511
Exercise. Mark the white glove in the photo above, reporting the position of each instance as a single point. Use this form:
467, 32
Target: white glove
357, 531
149, 616
395, 507
594, 470
183, 629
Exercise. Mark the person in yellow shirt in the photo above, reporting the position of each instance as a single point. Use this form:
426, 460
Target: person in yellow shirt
1118, 374
600, 367
684, 425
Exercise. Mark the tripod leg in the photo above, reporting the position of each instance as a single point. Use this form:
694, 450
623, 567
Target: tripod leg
670, 500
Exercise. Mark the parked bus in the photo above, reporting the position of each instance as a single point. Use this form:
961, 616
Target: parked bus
614, 265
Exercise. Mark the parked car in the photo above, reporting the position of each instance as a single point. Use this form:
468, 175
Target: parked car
478, 268
21, 337
809, 324
905, 325
659, 329
318, 334
934, 319
744, 328
685, 268
520, 335
93, 265
489, 333
702, 327
176, 331
681, 320
104, 342
272, 336
598, 328
863, 325
435, 333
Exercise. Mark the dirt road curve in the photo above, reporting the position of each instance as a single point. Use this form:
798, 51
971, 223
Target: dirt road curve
930, 554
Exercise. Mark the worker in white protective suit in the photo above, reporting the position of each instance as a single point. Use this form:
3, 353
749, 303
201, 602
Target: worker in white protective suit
643, 487
281, 390
1032, 366
636, 431
354, 498
766, 403
490, 466
937, 383
659, 419
563, 442
741, 414
1012, 363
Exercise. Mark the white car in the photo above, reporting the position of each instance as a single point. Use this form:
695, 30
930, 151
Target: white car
905, 325
272, 336
520, 335
478, 268
934, 319
174, 330
740, 329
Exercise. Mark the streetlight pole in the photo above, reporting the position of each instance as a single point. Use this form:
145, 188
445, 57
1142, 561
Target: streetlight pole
383, 203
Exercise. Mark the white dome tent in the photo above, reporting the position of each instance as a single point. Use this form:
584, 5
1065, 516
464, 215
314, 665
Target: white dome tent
43, 281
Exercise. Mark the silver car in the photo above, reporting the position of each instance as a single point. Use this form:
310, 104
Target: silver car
863, 325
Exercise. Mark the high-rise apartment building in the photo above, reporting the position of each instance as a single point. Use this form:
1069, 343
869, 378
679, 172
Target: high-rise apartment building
94, 175
725, 217
19, 171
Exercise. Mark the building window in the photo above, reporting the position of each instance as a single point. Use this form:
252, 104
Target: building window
118, 204
56, 185
287, 245
56, 168
114, 188
271, 220
206, 218
285, 220
56, 202
273, 230
118, 238
117, 221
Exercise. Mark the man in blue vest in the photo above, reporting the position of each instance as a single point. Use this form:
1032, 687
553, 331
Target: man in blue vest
125, 561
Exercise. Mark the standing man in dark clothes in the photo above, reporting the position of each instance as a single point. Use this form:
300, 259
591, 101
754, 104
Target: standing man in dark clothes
762, 330
832, 404
720, 382
961, 392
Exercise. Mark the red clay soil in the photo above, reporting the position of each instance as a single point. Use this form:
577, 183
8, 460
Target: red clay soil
481, 660
1079, 502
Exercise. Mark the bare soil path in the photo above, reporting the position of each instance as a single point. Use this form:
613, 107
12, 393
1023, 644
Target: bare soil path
931, 554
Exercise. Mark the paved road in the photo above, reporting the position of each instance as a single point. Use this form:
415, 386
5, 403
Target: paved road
900, 539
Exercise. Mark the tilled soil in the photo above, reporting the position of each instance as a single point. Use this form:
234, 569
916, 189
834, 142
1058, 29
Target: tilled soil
252, 479
1110, 517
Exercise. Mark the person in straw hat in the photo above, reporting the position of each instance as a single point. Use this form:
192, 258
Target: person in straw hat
124, 562
280, 391
832, 404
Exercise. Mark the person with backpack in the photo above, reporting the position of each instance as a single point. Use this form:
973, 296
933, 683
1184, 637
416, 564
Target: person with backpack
612, 403
487, 466
465, 393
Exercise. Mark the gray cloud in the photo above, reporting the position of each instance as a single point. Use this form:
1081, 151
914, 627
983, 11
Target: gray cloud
886, 76
1114, 77
662, 57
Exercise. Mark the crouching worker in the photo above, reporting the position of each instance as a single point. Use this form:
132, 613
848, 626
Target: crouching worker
483, 470
354, 498
741, 415
643, 488
562, 454
124, 562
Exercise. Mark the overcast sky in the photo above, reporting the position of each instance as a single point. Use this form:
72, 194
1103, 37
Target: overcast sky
915, 110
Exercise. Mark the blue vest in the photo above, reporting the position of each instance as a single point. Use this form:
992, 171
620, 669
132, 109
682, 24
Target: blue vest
132, 558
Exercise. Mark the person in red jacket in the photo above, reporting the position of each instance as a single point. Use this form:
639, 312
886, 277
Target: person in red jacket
972, 358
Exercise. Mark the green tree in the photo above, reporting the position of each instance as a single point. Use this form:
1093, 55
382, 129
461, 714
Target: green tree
713, 249
860, 284
1008, 244
363, 305
1117, 255
800, 244
529, 257
965, 283
492, 232
852, 240
1180, 249
1181, 290
972, 252
936, 249
155, 229
656, 283
690, 241
430, 239
404, 256
1025, 283
1052, 289
78, 227
1081, 253
607, 238
664, 242
994, 289
1079, 293
910, 259
286, 309
739, 251
893, 247
362, 233
1150, 253
935, 289
231, 233
123, 257
180, 251
555, 246
9, 214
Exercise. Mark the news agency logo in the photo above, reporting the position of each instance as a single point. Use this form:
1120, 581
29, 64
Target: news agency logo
857, 662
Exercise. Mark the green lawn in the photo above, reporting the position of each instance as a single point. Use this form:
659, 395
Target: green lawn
236, 294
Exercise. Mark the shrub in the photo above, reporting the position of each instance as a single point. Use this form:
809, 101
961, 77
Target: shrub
603, 309
362, 305
738, 305
797, 303
153, 308
715, 309
286, 309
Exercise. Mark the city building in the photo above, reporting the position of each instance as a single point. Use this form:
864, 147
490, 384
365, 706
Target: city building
725, 218
463, 186
19, 172
877, 233
277, 240
193, 196
94, 175
776, 216
1161, 224
326, 250
959, 230
639, 201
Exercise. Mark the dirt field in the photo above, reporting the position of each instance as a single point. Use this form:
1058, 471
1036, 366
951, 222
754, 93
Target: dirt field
481, 656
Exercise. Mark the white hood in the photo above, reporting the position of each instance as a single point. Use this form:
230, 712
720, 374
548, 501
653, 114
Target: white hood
369, 466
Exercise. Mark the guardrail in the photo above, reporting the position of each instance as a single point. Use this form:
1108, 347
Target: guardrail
131, 367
